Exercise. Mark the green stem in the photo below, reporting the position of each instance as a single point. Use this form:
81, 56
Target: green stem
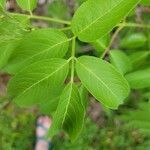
42, 18
134, 25
112, 40
72, 61
120, 27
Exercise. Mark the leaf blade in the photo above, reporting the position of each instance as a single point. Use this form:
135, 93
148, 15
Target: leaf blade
70, 113
103, 81
92, 16
37, 45
36, 83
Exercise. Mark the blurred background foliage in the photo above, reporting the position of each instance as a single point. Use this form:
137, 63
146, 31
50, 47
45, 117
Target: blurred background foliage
128, 128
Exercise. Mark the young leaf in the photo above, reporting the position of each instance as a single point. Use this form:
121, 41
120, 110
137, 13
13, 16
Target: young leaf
36, 83
103, 81
96, 18
70, 112
121, 61
139, 79
37, 45
28, 5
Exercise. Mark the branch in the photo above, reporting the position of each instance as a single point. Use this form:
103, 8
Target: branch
121, 26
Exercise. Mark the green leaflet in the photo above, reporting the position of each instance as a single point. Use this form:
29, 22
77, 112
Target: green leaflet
102, 80
139, 79
37, 45
135, 40
96, 18
38, 82
70, 112
28, 5
120, 60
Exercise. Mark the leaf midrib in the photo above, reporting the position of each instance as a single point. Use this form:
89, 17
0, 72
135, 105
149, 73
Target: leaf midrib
90, 71
66, 110
88, 26
42, 80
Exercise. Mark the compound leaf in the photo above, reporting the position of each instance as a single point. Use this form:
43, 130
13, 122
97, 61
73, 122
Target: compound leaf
96, 18
36, 83
102, 80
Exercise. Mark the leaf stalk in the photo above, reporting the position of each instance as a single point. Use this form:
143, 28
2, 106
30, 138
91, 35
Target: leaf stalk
42, 18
